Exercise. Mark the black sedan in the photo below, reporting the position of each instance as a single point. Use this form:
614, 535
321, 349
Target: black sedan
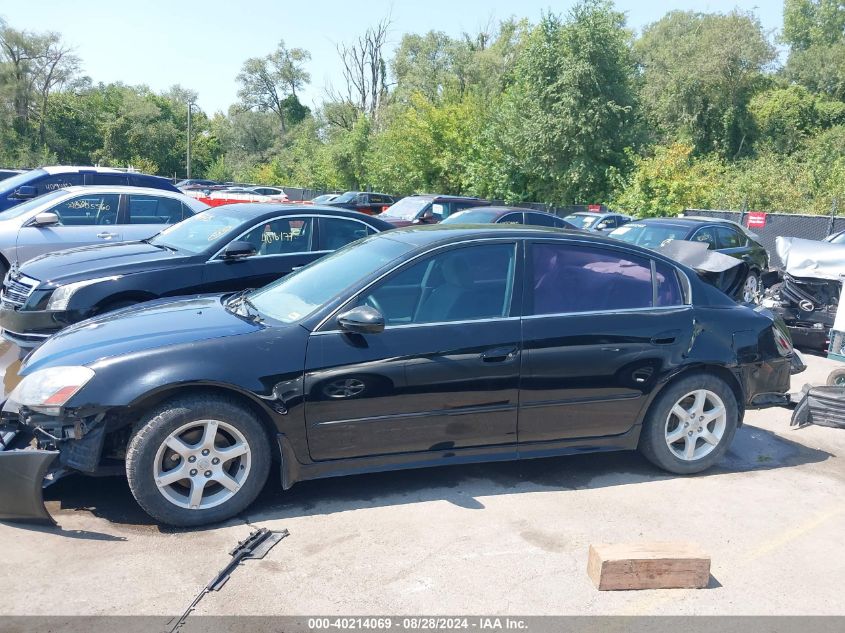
720, 235
231, 247
507, 215
416, 347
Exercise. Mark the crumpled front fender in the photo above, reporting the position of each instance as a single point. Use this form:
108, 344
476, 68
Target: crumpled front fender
22, 475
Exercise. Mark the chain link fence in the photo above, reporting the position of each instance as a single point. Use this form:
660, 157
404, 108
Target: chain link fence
808, 227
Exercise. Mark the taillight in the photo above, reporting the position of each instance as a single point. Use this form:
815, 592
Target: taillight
782, 341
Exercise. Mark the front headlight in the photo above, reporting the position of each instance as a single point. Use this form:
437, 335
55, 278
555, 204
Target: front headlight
47, 390
61, 296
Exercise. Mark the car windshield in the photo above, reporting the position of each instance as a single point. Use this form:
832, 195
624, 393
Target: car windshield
582, 221
10, 184
297, 295
349, 196
407, 208
199, 232
649, 235
839, 238
472, 216
25, 207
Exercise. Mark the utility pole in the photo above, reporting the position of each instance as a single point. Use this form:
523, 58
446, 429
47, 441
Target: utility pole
188, 157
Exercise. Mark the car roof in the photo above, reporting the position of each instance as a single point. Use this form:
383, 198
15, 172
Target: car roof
64, 169
446, 198
123, 189
257, 210
423, 236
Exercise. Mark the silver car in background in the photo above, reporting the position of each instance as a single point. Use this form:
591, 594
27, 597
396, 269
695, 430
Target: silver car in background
78, 216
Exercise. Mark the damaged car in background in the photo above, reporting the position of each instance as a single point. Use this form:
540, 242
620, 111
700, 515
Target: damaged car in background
424, 346
805, 293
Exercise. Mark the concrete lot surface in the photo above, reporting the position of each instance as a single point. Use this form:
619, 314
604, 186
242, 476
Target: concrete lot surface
507, 538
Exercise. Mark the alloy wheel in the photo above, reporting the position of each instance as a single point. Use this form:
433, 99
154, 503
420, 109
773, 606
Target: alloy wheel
202, 464
695, 425
750, 288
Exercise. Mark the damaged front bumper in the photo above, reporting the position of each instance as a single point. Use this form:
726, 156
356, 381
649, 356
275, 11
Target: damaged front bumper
23, 474
35, 452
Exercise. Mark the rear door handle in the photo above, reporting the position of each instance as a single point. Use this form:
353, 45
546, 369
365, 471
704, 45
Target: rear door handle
106, 236
499, 355
665, 338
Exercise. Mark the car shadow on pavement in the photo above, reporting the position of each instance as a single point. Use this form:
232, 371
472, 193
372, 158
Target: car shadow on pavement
753, 449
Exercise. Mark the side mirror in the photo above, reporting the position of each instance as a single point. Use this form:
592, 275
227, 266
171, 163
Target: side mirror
47, 218
239, 250
601, 226
361, 320
426, 217
25, 192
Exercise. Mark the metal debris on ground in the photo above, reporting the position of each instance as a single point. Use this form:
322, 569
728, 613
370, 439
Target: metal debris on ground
254, 547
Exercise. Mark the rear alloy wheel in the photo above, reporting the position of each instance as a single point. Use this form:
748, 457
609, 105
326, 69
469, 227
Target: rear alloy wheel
751, 288
690, 425
197, 460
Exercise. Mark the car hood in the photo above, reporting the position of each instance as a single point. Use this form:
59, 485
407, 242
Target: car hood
156, 324
99, 260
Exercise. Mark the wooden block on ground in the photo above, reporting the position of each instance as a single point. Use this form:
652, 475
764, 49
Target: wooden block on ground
648, 566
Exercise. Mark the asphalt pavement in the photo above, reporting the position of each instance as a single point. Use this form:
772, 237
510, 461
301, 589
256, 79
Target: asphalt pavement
504, 538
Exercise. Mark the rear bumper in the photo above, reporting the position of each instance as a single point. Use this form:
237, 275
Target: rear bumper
809, 337
23, 475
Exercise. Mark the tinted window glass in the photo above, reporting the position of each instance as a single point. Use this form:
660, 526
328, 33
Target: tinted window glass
154, 210
57, 181
335, 233
567, 278
461, 284
540, 219
729, 238
668, 287
109, 179
281, 236
88, 210
610, 222
510, 218
582, 220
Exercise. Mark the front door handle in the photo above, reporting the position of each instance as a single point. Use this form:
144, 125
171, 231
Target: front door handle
106, 236
499, 355
665, 338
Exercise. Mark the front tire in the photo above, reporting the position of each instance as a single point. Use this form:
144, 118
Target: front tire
197, 459
690, 426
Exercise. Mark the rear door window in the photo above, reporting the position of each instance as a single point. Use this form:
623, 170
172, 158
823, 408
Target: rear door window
510, 218
567, 278
540, 219
336, 232
108, 179
154, 210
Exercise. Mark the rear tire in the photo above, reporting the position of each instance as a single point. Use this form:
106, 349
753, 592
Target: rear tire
197, 459
836, 378
690, 425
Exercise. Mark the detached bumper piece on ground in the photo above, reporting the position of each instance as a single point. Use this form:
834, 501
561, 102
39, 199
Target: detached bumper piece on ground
22, 474
823, 406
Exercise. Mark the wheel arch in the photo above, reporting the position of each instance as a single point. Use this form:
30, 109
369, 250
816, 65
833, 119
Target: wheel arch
719, 371
151, 399
138, 296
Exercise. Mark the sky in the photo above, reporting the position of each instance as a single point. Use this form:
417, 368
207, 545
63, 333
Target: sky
202, 45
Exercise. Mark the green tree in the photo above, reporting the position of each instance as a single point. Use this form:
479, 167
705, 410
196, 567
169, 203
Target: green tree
669, 181
269, 83
565, 121
699, 71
